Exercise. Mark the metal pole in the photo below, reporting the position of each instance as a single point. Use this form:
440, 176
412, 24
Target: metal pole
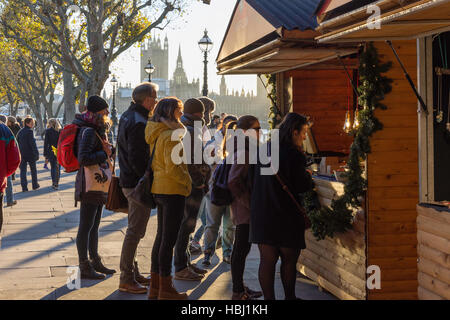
205, 75
411, 83
149, 77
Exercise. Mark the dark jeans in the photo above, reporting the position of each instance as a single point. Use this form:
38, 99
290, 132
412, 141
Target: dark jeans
191, 208
137, 224
241, 248
55, 171
202, 214
23, 174
170, 214
87, 237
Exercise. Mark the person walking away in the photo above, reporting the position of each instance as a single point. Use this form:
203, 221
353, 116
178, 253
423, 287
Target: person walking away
91, 148
217, 215
50, 144
134, 155
200, 173
9, 161
29, 153
171, 185
13, 124
275, 223
240, 187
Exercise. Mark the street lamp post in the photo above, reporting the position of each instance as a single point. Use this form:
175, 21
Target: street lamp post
205, 45
114, 110
149, 68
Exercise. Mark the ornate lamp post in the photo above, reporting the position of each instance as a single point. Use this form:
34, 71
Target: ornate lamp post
205, 45
149, 68
114, 110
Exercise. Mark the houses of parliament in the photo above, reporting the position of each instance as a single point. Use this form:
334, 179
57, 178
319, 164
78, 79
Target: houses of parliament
234, 102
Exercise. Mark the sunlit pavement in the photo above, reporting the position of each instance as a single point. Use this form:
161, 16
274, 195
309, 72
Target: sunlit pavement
38, 245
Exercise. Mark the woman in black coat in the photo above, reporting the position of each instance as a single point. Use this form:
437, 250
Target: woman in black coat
92, 148
50, 142
275, 224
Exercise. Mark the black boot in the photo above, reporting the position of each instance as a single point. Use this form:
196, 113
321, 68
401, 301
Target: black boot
99, 267
139, 277
87, 271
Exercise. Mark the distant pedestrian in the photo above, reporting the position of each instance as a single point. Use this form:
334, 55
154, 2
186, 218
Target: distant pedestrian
134, 155
9, 161
19, 121
275, 223
240, 187
200, 173
92, 148
50, 145
171, 185
29, 153
13, 125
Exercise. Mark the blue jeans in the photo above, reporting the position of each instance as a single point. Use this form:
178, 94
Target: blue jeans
9, 191
214, 216
55, 170
23, 175
202, 214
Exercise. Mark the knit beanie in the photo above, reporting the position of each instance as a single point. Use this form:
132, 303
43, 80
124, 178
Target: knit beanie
96, 104
193, 106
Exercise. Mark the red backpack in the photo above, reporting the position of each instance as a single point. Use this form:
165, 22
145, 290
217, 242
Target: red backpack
66, 143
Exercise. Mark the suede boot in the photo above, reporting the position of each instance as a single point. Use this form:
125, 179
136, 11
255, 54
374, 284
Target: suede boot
139, 277
99, 267
87, 271
154, 286
167, 291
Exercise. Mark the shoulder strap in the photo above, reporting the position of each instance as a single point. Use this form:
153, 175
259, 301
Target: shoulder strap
286, 188
149, 168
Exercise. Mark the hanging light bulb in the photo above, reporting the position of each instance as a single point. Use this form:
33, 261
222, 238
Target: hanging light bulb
356, 121
347, 124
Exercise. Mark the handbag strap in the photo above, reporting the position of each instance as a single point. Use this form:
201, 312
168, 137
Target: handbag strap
107, 158
149, 168
286, 188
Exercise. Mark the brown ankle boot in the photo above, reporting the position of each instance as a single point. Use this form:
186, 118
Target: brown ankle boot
154, 286
167, 291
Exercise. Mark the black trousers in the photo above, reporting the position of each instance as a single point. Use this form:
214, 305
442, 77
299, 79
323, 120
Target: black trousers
241, 248
191, 208
87, 237
170, 214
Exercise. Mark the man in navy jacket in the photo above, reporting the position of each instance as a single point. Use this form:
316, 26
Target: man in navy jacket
30, 154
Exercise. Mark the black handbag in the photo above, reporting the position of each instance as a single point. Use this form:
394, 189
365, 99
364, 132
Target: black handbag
142, 193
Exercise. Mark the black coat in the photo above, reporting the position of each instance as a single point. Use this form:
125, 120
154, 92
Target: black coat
15, 129
27, 145
134, 152
51, 139
275, 220
89, 151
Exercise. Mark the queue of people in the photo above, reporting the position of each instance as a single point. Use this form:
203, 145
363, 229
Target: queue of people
259, 211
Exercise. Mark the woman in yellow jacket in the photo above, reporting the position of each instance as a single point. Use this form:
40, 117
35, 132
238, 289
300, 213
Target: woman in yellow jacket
171, 185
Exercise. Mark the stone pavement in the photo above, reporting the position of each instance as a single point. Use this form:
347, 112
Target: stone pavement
38, 245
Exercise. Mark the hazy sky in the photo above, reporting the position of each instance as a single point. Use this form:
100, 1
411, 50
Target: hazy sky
187, 31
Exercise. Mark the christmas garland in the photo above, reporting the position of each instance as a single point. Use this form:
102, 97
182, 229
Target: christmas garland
338, 218
274, 112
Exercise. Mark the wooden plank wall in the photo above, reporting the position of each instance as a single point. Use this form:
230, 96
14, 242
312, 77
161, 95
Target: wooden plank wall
323, 94
434, 253
393, 176
338, 264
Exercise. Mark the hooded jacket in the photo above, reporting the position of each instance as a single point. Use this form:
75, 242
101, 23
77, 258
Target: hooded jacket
169, 178
200, 172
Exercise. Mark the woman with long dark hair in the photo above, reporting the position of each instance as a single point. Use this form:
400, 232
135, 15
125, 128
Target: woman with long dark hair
240, 187
276, 225
171, 185
92, 148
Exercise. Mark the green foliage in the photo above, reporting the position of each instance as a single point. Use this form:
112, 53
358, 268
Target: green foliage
274, 112
326, 222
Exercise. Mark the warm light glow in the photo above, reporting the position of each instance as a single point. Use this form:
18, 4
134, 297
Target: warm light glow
347, 124
356, 121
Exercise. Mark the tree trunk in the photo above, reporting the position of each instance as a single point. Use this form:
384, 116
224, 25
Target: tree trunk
69, 98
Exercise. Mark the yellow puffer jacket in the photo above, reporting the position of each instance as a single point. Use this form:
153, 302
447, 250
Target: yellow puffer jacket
169, 178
